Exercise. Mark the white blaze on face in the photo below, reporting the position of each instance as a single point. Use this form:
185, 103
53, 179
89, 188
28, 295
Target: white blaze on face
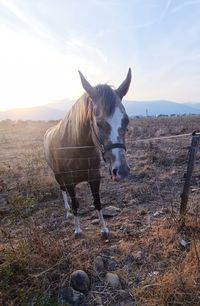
115, 122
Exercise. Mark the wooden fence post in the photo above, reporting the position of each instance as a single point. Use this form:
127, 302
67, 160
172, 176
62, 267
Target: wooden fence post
190, 167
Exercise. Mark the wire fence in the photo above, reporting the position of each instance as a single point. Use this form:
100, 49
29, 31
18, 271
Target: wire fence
34, 167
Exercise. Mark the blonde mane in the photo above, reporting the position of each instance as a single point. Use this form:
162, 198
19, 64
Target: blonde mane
77, 121
74, 127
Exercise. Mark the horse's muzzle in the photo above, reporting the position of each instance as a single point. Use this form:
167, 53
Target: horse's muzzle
119, 174
116, 178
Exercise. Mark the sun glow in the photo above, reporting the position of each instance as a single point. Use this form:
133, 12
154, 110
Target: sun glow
42, 48
32, 73
36, 66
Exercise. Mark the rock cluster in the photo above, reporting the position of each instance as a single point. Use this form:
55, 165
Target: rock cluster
80, 284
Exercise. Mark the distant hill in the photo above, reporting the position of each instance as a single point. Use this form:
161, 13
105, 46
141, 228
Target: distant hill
155, 108
63, 105
33, 113
194, 105
57, 109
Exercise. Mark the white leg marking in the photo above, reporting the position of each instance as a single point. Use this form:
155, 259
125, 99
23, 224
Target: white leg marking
104, 229
77, 226
67, 207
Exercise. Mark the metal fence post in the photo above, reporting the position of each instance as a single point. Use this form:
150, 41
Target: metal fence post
190, 167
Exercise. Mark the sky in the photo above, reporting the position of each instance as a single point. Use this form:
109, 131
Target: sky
43, 44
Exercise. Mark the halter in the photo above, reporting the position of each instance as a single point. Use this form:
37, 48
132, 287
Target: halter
104, 148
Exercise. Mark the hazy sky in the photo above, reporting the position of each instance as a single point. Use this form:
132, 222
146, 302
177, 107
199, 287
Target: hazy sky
44, 42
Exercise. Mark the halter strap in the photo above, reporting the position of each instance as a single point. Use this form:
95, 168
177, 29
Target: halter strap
104, 148
98, 142
115, 145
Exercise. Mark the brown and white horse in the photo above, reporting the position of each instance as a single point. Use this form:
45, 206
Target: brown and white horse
95, 125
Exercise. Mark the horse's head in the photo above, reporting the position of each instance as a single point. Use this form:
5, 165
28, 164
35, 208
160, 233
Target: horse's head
109, 123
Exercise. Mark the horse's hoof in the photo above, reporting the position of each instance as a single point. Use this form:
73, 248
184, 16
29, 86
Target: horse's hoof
78, 235
105, 234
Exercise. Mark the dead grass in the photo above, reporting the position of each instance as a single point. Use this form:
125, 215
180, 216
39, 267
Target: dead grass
38, 249
178, 283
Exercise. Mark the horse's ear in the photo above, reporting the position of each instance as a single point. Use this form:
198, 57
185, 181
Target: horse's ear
123, 88
86, 85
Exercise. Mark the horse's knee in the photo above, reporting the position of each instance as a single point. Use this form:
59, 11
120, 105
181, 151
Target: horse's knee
97, 206
62, 188
75, 206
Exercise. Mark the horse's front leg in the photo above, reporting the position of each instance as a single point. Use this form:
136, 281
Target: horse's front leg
75, 206
94, 185
67, 207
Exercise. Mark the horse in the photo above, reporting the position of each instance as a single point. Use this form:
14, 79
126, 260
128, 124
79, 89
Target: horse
95, 126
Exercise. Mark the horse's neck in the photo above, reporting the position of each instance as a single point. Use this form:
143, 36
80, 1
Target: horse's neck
76, 129
84, 136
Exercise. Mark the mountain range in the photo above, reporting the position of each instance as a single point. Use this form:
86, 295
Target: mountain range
57, 109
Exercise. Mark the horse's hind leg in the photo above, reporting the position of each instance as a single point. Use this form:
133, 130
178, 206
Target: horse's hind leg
94, 185
75, 206
64, 194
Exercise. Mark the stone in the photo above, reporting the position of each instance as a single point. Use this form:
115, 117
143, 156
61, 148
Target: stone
161, 212
98, 300
110, 211
113, 280
4, 207
143, 212
137, 222
80, 281
137, 255
98, 264
95, 221
154, 273
113, 248
184, 243
157, 213
69, 296
123, 293
127, 303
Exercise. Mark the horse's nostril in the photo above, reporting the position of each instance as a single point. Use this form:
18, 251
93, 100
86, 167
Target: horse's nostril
115, 172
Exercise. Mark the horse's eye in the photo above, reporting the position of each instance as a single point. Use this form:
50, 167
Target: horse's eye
127, 129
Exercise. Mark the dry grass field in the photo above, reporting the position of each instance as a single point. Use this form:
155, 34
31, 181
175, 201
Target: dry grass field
157, 261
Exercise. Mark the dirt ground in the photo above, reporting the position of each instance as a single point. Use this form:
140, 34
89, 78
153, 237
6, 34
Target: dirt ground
157, 261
